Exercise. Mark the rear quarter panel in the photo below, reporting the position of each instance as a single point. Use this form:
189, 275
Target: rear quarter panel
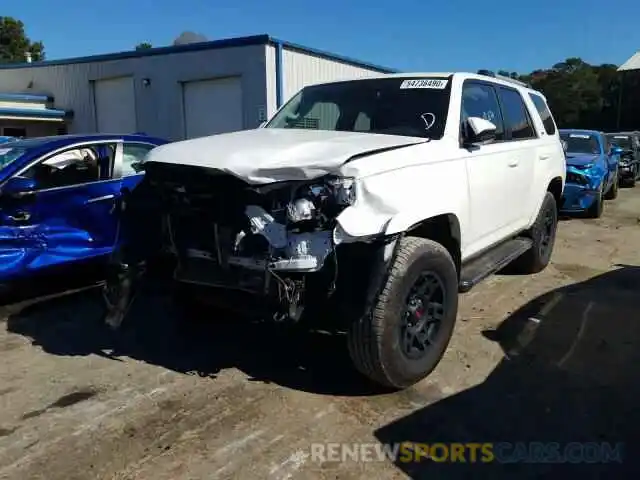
550, 161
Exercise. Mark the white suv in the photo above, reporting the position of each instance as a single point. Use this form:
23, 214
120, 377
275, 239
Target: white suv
381, 197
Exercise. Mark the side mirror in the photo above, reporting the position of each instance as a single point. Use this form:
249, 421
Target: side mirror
565, 145
480, 131
18, 187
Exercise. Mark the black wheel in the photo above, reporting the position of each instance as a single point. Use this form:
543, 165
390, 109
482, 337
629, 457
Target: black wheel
403, 338
543, 234
612, 193
595, 210
631, 182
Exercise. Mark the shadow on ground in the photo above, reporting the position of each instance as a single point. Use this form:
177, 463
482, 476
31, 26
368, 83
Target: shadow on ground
157, 333
572, 375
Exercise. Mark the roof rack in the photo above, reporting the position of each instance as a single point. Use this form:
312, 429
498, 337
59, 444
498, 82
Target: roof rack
489, 73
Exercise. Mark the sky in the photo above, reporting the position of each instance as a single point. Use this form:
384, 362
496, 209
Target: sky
410, 35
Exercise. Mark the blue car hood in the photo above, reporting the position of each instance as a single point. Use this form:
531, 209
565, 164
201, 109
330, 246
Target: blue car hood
581, 159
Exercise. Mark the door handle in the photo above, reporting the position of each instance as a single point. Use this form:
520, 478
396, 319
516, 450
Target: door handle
99, 199
543, 157
513, 163
20, 217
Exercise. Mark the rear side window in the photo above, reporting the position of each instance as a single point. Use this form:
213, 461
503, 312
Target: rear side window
545, 113
516, 116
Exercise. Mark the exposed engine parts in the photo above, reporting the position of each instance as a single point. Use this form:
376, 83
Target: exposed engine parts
262, 240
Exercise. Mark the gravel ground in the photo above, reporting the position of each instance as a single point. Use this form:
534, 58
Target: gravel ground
552, 357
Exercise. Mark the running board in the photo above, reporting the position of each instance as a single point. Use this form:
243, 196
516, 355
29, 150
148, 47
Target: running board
491, 262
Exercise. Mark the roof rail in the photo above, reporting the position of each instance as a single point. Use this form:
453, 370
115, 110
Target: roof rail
489, 73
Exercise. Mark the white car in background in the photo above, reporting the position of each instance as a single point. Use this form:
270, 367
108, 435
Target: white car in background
382, 198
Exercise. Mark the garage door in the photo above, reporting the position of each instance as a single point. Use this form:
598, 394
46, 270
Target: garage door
115, 105
212, 106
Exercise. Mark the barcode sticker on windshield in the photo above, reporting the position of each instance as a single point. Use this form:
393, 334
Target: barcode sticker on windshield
4, 151
436, 83
579, 135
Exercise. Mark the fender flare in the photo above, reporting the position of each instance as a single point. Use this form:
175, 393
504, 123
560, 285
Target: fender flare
405, 221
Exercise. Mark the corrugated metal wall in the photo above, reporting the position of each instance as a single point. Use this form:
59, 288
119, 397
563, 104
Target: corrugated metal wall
300, 69
159, 109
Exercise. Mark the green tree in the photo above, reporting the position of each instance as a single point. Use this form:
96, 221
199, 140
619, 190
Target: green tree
15, 46
144, 46
573, 91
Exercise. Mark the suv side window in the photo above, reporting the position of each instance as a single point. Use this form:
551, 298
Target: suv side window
481, 100
133, 155
544, 112
516, 115
75, 166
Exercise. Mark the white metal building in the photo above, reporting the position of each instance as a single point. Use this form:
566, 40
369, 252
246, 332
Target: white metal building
632, 64
173, 92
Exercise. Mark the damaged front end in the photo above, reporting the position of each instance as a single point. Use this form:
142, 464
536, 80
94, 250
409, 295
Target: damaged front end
275, 242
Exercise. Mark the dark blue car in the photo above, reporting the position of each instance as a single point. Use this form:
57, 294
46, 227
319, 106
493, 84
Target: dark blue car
58, 198
592, 172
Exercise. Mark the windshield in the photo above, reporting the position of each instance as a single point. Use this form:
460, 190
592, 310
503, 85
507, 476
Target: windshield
622, 141
8, 155
581, 143
391, 106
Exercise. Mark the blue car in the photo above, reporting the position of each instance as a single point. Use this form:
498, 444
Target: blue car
58, 198
6, 139
592, 172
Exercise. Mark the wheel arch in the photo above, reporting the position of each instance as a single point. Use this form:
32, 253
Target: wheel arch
444, 229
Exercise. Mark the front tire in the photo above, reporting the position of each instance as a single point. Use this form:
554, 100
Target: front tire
543, 235
405, 335
596, 209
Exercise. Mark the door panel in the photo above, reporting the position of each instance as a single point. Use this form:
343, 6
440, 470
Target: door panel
71, 217
58, 226
487, 168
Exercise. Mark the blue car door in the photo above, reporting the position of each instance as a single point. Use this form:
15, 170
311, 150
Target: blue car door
70, 215
611, 161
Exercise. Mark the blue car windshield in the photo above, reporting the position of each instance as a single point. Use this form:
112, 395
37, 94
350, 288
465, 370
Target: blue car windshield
581, 143
9, 154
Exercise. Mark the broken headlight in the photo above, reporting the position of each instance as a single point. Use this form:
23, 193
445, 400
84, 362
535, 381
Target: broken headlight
321, 201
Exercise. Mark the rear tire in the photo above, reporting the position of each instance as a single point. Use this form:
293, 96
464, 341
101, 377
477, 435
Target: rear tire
636, 174
543, 235
612, 193
405, 335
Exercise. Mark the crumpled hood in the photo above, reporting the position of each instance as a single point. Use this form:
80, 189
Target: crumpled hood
581, 159
267, 155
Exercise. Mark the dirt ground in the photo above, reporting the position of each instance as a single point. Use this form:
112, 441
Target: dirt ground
229, 399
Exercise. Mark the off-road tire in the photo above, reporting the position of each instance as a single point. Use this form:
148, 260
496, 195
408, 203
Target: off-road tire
612, 193
538, 256
596, 209
374, 338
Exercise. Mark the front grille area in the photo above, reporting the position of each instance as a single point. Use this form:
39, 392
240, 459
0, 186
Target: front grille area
208, 272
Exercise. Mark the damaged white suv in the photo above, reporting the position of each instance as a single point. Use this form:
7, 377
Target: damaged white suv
381, 197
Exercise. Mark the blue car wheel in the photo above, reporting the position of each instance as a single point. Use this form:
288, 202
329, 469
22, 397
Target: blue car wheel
596, 208
612, 193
